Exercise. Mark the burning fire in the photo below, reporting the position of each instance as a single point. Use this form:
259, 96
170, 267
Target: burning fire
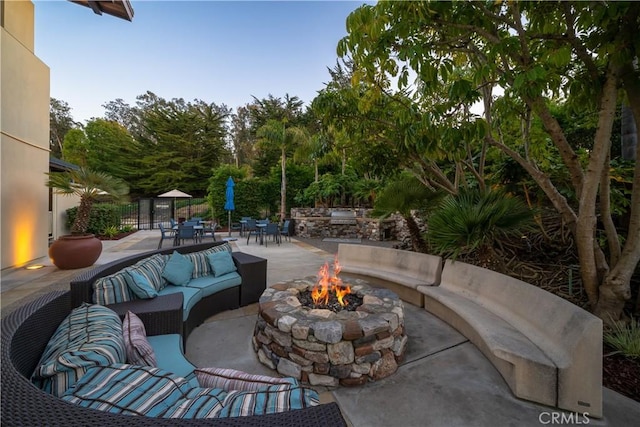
328, 284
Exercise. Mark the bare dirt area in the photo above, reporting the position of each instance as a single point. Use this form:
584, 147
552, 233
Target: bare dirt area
621, 373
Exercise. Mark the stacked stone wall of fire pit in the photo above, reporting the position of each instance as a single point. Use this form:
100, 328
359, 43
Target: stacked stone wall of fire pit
321, 347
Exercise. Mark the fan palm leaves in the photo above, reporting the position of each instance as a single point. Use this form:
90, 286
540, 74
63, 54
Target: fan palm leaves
403, 196
475, 220
90, 186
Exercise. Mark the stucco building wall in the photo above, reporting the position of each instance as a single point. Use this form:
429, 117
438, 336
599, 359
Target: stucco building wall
24, 139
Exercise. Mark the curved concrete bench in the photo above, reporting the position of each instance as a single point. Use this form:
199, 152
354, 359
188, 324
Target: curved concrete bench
408, 270
547, 349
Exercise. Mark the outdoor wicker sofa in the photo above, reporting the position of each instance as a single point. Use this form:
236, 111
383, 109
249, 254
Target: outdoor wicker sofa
25, 334
160, 315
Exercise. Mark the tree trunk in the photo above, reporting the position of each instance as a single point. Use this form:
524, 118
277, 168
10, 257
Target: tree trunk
81, 221
556, 133
616, 289
283, 188
586, 223
417, 242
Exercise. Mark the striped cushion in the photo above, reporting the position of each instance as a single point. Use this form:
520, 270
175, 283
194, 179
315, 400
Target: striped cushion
231, 379
151, 268
91, 335
139, 351
201, 262
129, 389
269, 400
112, 289
199, 403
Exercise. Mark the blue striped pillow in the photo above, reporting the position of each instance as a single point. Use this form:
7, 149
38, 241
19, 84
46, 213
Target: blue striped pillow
199, 403
200, 260
91, 335
129, 389
232, 379
112, 289
269, 400
151, 268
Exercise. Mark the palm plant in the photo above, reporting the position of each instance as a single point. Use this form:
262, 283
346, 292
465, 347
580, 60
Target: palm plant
90, 186
405, 195
275, 132
475, 220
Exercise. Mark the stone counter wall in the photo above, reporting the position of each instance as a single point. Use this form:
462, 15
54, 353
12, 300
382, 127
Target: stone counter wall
316, 223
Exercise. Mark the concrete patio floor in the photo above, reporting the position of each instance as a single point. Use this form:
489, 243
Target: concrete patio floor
444, 380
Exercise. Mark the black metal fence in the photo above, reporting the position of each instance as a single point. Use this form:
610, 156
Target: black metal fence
147, 214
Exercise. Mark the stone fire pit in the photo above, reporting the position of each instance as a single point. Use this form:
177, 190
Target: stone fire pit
321, 347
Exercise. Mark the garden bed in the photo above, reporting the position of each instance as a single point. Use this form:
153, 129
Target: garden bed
118, 236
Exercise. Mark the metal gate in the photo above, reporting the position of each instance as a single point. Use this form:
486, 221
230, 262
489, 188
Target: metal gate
147, 214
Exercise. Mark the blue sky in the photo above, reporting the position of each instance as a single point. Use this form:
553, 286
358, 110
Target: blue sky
217, 51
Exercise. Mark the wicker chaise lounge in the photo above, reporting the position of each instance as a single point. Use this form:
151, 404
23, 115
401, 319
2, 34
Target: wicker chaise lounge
25, 334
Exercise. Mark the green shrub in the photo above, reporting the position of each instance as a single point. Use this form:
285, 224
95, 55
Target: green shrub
624, 339
102, 216
475, 220
127, 228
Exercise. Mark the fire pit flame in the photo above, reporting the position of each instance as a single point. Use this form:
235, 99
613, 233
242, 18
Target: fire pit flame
328, 284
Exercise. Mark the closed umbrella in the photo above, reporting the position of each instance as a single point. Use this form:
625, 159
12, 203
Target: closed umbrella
175, 194
228, 203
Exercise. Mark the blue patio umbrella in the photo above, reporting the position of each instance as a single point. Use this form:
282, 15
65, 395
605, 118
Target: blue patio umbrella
228, 203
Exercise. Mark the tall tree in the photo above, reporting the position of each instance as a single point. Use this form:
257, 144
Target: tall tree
76, 147
60, 122
125, 115
537, 52
243, 140
276, 133
182, 141
111, 149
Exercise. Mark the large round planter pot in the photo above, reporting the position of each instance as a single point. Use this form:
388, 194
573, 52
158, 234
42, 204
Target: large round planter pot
71, 252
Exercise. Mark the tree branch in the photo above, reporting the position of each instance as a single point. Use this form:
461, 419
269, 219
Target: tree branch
605, 215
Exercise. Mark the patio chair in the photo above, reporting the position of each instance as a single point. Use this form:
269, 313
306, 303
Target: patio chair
196, 219
285, 230
243, 222
252, 230
173, 222
186, 232
211, 229
165, 235
273, 230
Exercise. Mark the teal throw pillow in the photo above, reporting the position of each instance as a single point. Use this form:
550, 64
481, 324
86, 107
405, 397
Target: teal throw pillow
140, 286
178, 269
221, 263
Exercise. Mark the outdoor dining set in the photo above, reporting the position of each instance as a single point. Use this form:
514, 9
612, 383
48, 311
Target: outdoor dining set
196, 229
262, 229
